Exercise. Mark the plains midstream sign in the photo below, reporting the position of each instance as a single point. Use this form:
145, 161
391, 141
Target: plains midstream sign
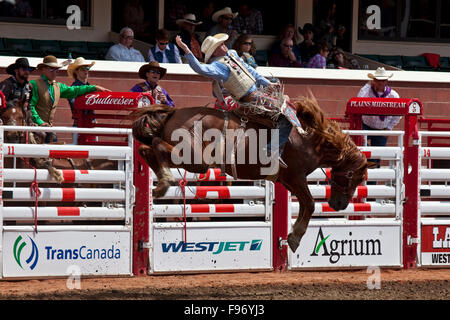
55, 253
230, 246
349, 244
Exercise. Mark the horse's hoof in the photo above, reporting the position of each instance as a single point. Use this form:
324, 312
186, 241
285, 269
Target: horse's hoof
160, 190
293, 241
162, 187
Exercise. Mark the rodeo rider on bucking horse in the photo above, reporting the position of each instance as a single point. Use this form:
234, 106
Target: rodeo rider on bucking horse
235, 87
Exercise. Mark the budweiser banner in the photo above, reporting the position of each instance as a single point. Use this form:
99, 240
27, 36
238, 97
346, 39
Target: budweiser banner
111, 100
384, 106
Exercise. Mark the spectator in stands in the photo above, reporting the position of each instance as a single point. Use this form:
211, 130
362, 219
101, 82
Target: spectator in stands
17, 86
189, 36
176, 10
46, 93
124, 51
79, 72
337, 60
286, 57
24, 9
134, 18
249, 20
340, 40
319, 61
287, 32
245, 47
224, 20
206, 16
328, 36
164, 51
307, 46
378, 88
152, 73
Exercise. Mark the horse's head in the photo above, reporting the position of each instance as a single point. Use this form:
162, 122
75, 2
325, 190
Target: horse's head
14, 114
345, 178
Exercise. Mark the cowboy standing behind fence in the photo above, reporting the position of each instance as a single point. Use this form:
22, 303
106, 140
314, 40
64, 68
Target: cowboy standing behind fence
47, 92
235, 78
17, 86
378, 88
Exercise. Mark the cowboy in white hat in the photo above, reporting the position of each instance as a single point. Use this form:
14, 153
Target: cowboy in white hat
47, 92
377, 88
239, 80
188, 34
79, 71
224, 19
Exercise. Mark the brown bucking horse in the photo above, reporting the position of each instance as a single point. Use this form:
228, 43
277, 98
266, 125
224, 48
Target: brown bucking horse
324, 145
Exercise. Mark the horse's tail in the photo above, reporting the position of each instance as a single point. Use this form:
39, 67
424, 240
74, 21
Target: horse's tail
149, 122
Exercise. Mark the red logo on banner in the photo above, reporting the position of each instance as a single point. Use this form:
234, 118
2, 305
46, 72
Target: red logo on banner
436, 238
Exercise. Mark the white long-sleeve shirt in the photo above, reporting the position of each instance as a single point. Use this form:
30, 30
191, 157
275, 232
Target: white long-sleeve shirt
375, 122
119, 52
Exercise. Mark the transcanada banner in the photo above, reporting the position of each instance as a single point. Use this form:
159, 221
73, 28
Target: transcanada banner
353, 244
56, 253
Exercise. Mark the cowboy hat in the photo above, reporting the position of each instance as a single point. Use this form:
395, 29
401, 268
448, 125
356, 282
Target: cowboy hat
79, 62
52, 62
227, 10
380, 74
211, 43
188, 18
154, 65
20, 63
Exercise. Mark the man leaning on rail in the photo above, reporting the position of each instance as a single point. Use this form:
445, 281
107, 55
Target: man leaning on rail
378, 88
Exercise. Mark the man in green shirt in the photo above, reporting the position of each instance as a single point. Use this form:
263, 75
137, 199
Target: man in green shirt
46, 92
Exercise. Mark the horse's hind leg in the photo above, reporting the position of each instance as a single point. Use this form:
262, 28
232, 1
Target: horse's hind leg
47, 164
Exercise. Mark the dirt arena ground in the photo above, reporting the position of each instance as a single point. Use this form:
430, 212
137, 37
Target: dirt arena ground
417, 284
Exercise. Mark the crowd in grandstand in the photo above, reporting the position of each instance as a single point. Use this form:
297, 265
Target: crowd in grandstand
305, 47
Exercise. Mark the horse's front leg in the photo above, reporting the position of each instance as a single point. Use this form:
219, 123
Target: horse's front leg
306, 210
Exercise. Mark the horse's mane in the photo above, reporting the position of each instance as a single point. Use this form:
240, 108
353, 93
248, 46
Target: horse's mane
329, 138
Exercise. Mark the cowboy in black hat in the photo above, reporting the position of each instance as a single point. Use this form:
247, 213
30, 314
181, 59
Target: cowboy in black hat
17, 86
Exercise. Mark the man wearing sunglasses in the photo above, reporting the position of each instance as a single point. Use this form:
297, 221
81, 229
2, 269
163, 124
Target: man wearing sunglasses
46, 92
224, 20
17, 86
152, 73
164, 51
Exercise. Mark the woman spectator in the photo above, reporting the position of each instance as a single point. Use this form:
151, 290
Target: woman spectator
337, 60
245, 47
319, 61
287, 32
